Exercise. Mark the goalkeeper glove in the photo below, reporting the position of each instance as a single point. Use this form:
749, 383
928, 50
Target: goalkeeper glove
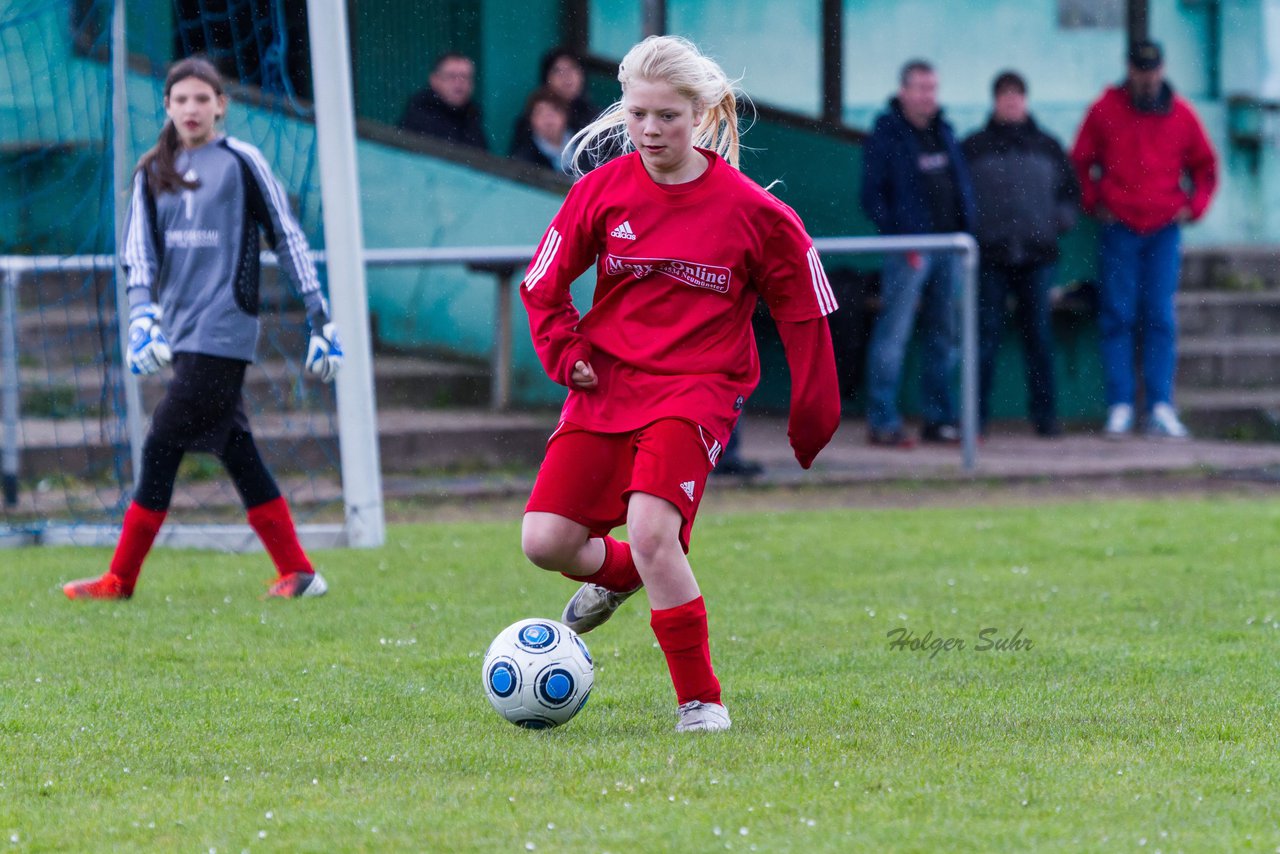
324, 353
148, 348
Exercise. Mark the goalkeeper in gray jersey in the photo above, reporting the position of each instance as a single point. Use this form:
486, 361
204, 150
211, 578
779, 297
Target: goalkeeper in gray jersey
190, 250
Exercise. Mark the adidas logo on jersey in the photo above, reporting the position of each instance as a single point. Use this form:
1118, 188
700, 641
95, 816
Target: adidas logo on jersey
624, 231
687, 486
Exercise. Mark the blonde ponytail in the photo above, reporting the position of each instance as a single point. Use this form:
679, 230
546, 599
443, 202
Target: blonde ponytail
678, 62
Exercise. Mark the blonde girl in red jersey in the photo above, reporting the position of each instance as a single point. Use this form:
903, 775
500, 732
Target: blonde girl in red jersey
684, 246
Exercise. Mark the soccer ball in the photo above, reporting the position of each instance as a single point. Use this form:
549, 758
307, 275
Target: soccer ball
537, 673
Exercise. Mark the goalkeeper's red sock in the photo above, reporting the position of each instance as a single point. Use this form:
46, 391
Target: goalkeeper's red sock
617, 573
682, 634
136, 537
274, 526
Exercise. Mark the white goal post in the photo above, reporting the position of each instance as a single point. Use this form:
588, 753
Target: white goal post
346, 259
365, 525
344, 242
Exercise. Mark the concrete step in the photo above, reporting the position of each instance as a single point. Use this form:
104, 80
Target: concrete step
1231, 268
1228, 312
71, 391
83, 287
1248, 361
1232, 413
70, 334
410, 441
1228, 350
1222, 399
50, 288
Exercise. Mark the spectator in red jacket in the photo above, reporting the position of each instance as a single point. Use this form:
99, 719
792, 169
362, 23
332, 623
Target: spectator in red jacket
1145, 168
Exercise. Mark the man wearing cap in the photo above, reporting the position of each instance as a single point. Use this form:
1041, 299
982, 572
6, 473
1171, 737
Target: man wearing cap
1145, 167
1027, 196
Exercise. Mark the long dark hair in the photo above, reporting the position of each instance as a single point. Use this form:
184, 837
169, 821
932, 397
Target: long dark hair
158, 162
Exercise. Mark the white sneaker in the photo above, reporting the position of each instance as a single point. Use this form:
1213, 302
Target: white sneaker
696, 716
1119, 421
1163, 423
591, 606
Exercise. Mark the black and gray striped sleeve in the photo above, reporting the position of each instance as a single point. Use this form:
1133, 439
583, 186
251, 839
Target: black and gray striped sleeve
138, 249
289, 243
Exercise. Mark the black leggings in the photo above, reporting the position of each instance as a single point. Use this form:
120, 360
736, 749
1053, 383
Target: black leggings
202, 411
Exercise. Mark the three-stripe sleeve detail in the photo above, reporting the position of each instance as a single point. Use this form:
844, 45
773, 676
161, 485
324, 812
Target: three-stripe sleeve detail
295, 240
138, 253
821, 286
550, 247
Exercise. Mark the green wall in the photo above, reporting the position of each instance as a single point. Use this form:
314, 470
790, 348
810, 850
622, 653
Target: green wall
738, 34
395, 42
57, 202
53, 98
816, 174
516, 37
56, 197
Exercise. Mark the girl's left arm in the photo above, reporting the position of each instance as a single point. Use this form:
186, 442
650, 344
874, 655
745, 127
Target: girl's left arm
794, 285
284, 233
815, 391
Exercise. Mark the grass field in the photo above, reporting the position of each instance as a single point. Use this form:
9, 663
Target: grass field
1142, 717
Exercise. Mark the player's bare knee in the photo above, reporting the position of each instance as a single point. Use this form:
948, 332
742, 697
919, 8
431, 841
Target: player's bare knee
547, 548
649, 542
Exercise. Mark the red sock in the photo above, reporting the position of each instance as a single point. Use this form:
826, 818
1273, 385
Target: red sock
682, 634
136, 536
274, 527
617, 573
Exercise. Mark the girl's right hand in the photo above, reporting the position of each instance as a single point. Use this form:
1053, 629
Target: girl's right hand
583, 376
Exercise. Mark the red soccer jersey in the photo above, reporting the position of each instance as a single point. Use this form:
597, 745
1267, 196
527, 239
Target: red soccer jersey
679, 269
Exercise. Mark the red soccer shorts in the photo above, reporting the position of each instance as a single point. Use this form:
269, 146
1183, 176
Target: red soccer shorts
588, 477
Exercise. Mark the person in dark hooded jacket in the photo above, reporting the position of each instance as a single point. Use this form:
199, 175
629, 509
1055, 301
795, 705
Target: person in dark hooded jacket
1027, 197
914, 181
444, 109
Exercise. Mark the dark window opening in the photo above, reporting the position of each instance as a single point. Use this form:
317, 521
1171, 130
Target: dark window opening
260, 43
1091, 14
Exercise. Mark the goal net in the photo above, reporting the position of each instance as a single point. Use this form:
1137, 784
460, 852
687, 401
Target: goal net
69, 435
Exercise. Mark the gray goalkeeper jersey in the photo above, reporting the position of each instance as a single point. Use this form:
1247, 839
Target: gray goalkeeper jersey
196, 251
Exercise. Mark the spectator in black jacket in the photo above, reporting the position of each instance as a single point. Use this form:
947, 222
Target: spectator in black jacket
548, 118
1027, 197
445, 109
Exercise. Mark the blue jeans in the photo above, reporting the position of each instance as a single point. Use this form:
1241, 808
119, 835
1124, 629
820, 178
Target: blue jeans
931, 289
1139, 279
1029, 285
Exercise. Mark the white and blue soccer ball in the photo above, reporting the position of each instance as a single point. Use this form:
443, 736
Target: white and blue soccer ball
537, 673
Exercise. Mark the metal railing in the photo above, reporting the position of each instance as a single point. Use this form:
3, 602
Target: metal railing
966, 247
502, 262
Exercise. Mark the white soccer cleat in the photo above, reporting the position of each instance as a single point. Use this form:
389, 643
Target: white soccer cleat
1119, 421
697, 716
1163, 423
591, 606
